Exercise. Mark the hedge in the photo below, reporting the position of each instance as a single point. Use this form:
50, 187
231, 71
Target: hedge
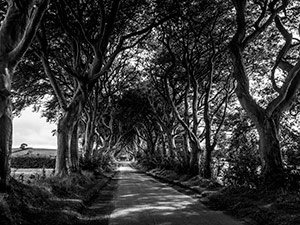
32, 162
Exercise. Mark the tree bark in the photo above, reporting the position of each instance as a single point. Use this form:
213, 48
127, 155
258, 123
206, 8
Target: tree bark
90, 135
171, 144
265, 120
66, 126
205, 169
194, 158
163, 146
73, 156
61, 168
16, 34
5, 140
186, 148
269, 146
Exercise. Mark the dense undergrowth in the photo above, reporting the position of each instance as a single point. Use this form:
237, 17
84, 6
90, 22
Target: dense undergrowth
53, 200
264, 206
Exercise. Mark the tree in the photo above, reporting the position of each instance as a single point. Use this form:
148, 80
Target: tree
193, 70
16, 33
250, 33
97, 33
23, 146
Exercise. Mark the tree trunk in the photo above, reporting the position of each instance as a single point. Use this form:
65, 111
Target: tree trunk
5, 140
194, 161
63, 130
171, 144
265, 119
73, 156
150, 147
16, 33
163, 146
88, 147
89, 136
186, 149
269, 148
206, 163
66, 126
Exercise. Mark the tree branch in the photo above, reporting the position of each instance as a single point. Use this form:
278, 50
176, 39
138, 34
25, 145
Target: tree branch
288, 40
31, 29
57, 90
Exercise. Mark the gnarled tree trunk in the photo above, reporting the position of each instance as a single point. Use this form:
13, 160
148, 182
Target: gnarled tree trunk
73, 155
16, 33
194, 158
5, 134
63, 130
171, 144
265, 119
269, 146
66, 127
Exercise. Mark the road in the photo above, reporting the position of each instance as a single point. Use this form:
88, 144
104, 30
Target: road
141, 200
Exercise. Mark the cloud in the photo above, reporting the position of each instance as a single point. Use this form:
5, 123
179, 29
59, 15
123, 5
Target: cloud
30, 128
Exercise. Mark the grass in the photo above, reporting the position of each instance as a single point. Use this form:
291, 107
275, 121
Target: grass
264, 206
54, 200
39, 152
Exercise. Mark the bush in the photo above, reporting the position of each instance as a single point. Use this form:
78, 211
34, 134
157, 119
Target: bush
32, 162
243, 169
243, 161
68, 186
101, 162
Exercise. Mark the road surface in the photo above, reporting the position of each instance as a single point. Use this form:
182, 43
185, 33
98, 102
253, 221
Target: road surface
141, 200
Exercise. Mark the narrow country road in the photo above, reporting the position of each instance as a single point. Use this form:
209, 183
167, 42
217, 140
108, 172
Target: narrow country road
141, 200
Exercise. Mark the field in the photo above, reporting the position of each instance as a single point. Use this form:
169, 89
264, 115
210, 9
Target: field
23, 161
38, 152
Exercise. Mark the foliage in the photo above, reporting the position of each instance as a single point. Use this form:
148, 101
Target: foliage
32, 162
261, 206
100, 163
43, 202
133, 110
69, 186
290, 140
243, 160
162, 85
23, 146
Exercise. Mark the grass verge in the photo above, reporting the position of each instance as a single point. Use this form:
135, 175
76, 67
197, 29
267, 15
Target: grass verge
265, 206
54, 200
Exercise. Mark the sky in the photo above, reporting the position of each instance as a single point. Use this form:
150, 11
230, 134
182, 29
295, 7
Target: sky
32, 129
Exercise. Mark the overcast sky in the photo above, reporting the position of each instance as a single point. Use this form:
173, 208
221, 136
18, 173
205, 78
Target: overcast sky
33, 130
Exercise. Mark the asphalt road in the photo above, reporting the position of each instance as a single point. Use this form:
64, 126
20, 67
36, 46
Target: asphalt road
141, 200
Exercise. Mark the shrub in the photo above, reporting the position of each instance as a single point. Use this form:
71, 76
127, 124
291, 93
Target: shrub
101, 162
32, 162
243, 161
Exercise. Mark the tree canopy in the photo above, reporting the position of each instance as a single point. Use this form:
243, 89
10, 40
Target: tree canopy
177, 84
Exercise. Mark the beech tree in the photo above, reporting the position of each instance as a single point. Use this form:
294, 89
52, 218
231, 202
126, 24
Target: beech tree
16, 33
139, 124
192, 67
99, 114
81, 45
277, 18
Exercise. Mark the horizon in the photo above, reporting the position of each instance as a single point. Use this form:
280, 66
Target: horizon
34, 130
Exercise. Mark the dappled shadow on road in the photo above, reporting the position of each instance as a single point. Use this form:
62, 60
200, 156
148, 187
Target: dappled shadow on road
142, 200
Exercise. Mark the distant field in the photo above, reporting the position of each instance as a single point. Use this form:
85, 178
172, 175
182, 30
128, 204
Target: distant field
38, 152
31, 155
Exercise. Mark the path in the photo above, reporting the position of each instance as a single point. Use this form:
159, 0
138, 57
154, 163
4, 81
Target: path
141, 200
